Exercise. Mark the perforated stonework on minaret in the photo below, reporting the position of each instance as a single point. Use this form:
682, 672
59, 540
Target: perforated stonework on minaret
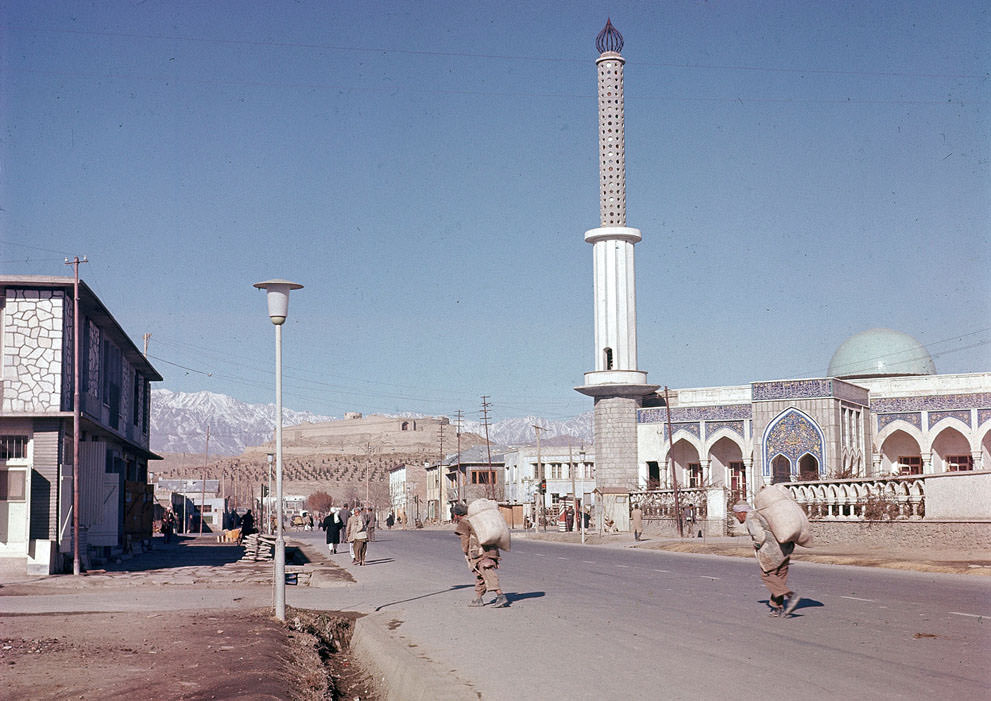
612, 143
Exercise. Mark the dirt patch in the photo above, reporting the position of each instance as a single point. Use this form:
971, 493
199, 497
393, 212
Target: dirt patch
180, 655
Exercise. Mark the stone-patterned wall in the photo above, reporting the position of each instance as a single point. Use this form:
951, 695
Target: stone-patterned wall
32, 350
615, 421
899, 534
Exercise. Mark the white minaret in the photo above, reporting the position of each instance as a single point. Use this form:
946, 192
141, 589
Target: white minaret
616, 384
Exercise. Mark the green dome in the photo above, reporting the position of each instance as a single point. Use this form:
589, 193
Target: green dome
881, 353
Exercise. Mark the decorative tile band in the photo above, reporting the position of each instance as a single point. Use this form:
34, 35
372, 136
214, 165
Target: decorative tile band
983, 415
912, 418
936, 416
725, 412
692, 428
791, 389
711, 427
936, 402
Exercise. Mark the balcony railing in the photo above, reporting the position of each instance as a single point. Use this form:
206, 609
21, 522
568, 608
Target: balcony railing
659, 503
862, 499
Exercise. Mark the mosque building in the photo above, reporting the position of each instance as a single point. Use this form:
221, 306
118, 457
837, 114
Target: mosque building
880, 413
881, 410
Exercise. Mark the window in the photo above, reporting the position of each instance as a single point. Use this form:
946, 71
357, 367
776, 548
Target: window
608, 358
959, 463
13, 447
12, 484
556, 471
909, 465
483, 477
738, 478
694, 474
780, 470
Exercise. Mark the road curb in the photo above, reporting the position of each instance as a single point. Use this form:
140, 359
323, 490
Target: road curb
401, 673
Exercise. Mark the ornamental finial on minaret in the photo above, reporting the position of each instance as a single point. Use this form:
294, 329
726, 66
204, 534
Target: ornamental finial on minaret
609, 39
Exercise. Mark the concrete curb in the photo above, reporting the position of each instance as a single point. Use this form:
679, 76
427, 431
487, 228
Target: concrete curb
401, 673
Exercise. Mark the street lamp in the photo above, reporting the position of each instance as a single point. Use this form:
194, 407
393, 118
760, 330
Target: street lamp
277, 292
268, 497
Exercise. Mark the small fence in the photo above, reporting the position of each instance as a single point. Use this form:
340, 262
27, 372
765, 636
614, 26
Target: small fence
874, 499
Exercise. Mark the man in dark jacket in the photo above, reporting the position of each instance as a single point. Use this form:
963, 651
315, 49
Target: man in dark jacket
483, 560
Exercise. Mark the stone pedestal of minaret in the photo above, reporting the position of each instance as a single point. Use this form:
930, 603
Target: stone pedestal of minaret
616, 384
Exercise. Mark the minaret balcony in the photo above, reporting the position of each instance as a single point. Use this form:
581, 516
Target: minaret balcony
613, 233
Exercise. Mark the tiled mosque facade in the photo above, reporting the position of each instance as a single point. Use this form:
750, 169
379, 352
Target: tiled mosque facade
743, 437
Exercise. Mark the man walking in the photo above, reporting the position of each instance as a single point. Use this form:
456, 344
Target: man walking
483, 560
772, 557
636, 521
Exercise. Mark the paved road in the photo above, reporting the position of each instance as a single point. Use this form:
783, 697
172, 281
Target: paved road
623, 623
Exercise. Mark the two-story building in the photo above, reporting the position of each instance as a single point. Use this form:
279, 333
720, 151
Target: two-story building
36, 426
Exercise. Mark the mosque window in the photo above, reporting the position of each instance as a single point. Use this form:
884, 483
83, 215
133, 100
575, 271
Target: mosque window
780, 470
959, 463
694, 474
608, 358
738, 479
909, 465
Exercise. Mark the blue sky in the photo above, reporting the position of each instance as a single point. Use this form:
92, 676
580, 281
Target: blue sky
800, 171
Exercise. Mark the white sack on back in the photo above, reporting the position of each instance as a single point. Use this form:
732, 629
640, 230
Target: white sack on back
489, 525
787, 519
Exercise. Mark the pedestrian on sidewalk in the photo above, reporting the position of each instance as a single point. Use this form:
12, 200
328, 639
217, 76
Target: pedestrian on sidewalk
772, 557
636, 522
345, 517
370, 516
332, 525
359, 535
483, 560
168, 525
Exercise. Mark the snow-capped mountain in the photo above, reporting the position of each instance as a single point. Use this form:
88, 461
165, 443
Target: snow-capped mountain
520, 431
179, 421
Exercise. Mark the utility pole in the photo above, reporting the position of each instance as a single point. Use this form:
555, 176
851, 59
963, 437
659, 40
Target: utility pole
540, 481
488, 446
457, 475
206, 458
76, 413
440, 471
674, 472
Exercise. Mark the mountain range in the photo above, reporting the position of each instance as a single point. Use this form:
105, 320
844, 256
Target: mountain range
179, 423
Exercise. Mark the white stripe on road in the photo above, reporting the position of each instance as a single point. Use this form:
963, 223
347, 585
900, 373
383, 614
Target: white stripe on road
707, 577
561, 558
589, 562
627, 566
856, 598
668, 571
971, 615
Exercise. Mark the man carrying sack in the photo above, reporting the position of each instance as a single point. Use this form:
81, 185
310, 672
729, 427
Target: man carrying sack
483, 560
773, 558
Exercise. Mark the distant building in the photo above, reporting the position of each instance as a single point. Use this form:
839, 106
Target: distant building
190, 499
36, 431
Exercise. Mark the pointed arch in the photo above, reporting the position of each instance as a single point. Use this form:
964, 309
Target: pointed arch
792, 433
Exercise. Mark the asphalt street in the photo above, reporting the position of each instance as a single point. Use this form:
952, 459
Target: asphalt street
626, 623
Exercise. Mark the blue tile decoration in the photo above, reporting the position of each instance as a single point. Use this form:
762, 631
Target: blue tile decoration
934, 402
692, 428
712, 426
912, 418
793, 434
936, 416
983, 415
791, 389
722, 412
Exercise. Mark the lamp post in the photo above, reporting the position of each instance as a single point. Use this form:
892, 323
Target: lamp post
583, 505
277, 292
268, 497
